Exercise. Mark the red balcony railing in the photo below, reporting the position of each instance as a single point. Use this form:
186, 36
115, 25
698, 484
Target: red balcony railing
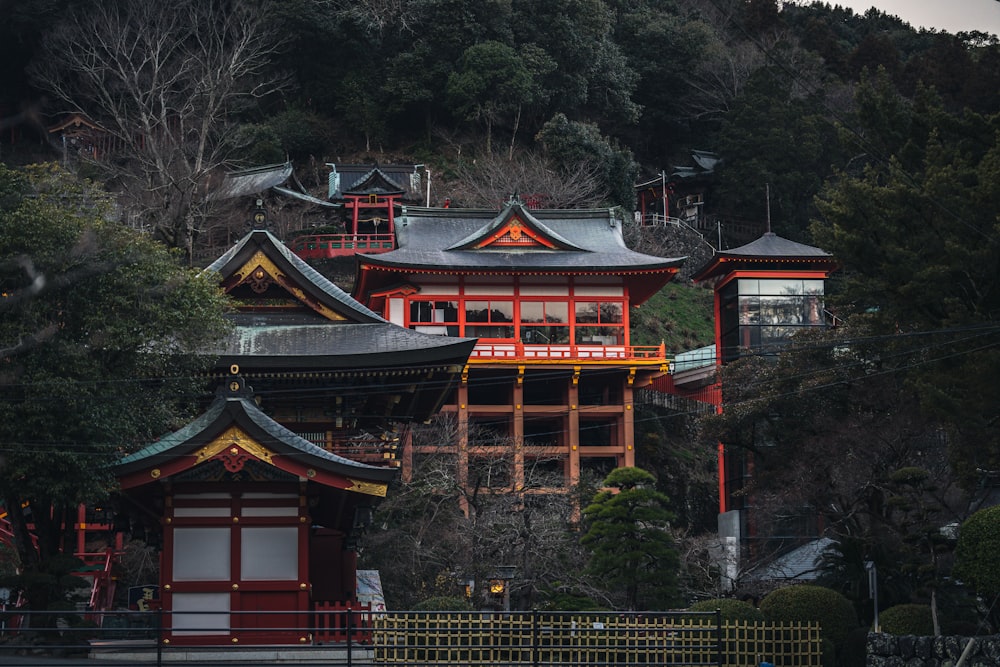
321, 246
520, 351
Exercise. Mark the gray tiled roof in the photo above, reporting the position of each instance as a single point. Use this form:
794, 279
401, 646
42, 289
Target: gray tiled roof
348, 177
425, 235
770, 248
252, 181
351, 345
772, 245
375, 181
800, 564
365, 339
263, 240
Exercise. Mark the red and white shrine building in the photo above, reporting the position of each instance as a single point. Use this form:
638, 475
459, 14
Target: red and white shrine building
548, 392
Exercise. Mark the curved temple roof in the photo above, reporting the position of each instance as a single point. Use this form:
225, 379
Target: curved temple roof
515, 240
234, 421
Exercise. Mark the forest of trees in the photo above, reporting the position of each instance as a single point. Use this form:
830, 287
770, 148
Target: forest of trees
876, 142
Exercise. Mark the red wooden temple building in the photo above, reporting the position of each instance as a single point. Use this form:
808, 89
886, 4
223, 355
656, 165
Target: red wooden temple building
547, 393
260, 498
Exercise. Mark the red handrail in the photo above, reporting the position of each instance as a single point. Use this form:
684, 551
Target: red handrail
521, 351
318, 246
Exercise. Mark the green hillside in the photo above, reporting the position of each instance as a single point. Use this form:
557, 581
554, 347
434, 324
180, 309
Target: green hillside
679, 315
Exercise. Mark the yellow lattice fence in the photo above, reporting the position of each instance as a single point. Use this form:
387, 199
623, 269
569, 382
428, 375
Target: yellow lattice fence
747, 644
556, 639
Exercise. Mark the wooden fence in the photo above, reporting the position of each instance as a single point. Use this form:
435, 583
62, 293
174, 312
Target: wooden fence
551, 639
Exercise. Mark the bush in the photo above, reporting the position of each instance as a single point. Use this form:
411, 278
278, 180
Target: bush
569, 601
443, 603
732, 610
907, 619
803, 603
975, 553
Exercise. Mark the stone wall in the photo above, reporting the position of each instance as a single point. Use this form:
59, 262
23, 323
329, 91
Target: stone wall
885, 650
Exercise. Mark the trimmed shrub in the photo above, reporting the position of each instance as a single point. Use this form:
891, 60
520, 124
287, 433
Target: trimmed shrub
443, 603
907, 619
804, 602
976, 552
732, 610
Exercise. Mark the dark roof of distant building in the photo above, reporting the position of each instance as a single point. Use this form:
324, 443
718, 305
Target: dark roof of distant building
405, 179
256, 180
769, 251
375, 181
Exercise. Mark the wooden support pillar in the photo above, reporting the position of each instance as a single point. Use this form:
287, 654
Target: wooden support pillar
462, 467
517, 433
406, 456
628, 420
573, 428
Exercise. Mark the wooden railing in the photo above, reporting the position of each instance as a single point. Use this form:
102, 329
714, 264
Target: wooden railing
554, 639
340, 622
322, 246
521, 351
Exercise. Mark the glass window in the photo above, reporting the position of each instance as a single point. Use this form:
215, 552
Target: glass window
534, 312
434, 311
491, 314
488, 331
591, 335
749, 310
489, 311
434, 317
421, 311
544, 322
599, 312
781, 287
812, 287
544, 335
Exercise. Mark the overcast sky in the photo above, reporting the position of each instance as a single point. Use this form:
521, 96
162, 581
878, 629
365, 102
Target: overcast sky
948, 15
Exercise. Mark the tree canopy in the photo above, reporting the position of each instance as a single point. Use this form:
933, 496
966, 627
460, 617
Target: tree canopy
99, 339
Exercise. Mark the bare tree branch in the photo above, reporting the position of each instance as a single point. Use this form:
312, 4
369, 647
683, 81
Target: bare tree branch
163, 80
490, 180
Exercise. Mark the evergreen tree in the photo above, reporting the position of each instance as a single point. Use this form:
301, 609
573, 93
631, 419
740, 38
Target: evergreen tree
628, 530
99, 333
